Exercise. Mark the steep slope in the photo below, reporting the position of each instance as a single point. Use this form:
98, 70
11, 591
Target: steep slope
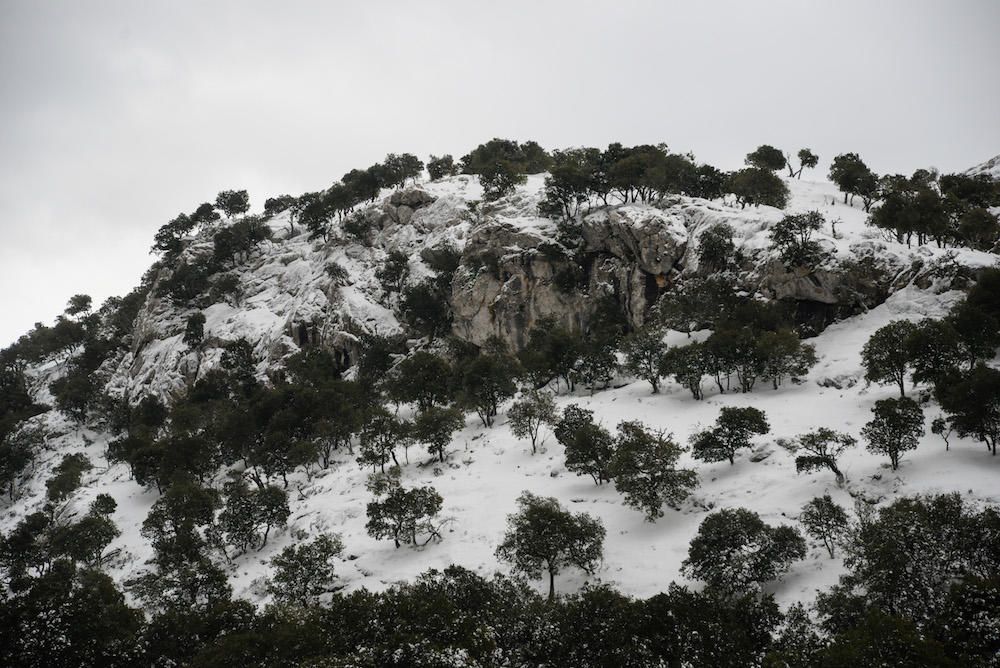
288, 300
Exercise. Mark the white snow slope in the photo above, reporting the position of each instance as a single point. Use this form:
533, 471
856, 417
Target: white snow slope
488, 468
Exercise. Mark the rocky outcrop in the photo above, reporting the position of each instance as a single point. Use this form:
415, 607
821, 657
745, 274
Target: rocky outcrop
513, 277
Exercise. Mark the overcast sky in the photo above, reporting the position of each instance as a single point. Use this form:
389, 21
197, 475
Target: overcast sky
116, 116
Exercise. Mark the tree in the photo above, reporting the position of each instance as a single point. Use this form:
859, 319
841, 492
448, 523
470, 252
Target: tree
78, 305
735, 552
782, 354
806, 159
687, 364
381, 434
529, 413
972, 401
644, 354
820, 449
716, 250
979, 228
791, 237
233, 202
897, 427
487, 381
435, 425
644, 468
733, 431
544, 536
766, 157
249, 515
824, 520
589, 446
67, 477
438, 168
424, 307
850, 174
887, 356
422, 378
399, 513
304, 572
757, 186
194, 330
393, 272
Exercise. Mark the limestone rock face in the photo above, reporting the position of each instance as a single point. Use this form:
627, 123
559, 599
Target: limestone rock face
401, 205
511, 278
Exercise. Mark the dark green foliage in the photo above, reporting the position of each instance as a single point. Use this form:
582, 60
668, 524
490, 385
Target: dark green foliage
824, 520
896, 428
188, 281
233, 202
732, 431
791, 237
205, 214
502, 165
972, 401
275, 205
488, 380
377, 353
589, 446
906, 558
250, 514
529, 413
169, 238
69, 616
398, 169
979, 229
542, 536
425, 307
756, 186
782, 354
440, 167
240, 363
402, 514
18, 450
194, 330
644, 467
393, 272
716, 250
237, 242
806, 159
435, 425
551, 353
766, 157
852, 176
735, 552
66, 477
887, 356
423, 379
380, 435
644, 355
820, 449
687, 365
304, 572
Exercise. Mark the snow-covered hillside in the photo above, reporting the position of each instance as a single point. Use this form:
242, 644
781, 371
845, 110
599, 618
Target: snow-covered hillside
286, 286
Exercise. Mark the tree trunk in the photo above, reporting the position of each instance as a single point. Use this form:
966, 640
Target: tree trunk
552, 585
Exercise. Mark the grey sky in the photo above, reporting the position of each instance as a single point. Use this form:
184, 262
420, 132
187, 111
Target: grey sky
115, 116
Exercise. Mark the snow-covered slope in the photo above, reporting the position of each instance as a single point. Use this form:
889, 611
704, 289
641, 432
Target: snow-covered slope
488, 468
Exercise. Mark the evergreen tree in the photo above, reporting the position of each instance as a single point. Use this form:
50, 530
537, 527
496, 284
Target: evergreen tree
644, 354
644, 468
896, 428
733, 430
529, 413
887, 356
399, 513
735, 552
820, 449
435, 426
542, 536
589, 446
304, 572
233, 202
824, 520
766, 157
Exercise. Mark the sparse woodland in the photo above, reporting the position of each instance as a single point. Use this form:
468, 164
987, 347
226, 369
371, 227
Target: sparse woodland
229, 463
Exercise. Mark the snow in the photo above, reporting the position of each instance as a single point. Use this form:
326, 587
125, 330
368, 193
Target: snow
487, 469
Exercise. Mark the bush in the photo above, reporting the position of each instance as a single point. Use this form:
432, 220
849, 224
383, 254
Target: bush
67, 478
